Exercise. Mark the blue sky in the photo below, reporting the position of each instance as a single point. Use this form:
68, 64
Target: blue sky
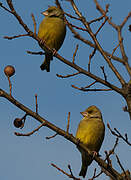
30, 157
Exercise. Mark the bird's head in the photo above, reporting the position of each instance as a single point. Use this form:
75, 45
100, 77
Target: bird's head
53, 11
92, 112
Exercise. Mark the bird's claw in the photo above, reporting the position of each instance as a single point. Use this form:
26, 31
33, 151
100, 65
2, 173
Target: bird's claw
95, 153
54, 51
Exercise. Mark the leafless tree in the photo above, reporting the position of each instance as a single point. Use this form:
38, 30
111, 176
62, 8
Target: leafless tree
109, 57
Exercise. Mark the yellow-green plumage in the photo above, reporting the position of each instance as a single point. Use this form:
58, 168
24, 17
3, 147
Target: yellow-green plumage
52, 30
91, 131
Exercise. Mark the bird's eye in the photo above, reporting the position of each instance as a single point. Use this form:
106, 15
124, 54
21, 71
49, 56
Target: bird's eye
90, 112
50, 10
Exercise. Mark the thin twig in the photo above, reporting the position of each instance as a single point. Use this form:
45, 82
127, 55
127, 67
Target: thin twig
73, 17
79, 28
69, 175
79, 37
108, 159
93, 175
97, 19
129, 28
69, 75
90, 57
118, 160
86, 90
115, 50
36, 53
10, 85
13, 37
103, 70
101, 26
74, 54
97, 175
68, 123
90, 84
112, 150
30, 133
24, 117
50, 137
59, 169
69, 167
126, 19
118, 28
89, 30
34, 22
124, 138
5, 8
119, 135
36, 103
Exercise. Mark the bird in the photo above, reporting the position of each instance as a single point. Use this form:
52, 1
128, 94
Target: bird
90, 132
52, 31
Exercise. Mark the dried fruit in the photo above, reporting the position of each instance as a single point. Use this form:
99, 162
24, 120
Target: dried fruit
9, 71
18, 123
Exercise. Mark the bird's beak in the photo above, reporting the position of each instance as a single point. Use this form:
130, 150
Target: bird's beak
84, 113
45, 13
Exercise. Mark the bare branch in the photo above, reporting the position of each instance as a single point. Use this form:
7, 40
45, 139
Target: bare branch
50, 137
108, 159
36, 53
90, 57
79, 37
73, 17
32, 132
118, 28
97, 19
90, 84
86, 90
125, 20
5, 8
61, 132
96, 175
103, 70
86, 24
118, 160
69, 175
101, 26
10, 85
68, 124
99, 8
34, 22
42, 43
115, 49
108, 154
79, 28
36, 103
69, 75
74, 54
119, 135
13, 37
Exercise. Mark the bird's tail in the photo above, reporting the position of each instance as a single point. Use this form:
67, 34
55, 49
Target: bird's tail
86, 161
83, 170
46, 64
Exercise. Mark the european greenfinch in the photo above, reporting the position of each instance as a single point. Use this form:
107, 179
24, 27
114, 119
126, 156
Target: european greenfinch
52, 30
90, 132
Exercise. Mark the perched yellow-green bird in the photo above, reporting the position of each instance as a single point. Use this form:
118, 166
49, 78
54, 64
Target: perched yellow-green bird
90, 132
52, 30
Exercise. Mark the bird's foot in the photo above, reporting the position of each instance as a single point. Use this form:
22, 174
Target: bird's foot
78, 142
95, 153
54, 51
41, 42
